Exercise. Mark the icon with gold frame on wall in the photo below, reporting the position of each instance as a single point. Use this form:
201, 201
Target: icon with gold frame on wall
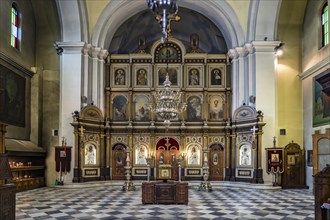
174, 72
194, 76
141, 76
120, 76
216, 75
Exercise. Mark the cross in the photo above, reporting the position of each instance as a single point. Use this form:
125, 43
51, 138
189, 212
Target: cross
254, 129
81, 130
274, 141
167, 142
63, 138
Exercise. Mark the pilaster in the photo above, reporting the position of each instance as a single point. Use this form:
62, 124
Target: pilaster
235, 78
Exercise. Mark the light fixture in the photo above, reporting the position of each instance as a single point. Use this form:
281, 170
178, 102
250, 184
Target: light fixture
164, 11
168, 101
279, 49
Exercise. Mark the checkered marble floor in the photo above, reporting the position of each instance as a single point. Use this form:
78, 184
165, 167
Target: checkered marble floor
109, 202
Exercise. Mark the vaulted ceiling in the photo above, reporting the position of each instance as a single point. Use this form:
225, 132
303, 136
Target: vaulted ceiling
210, 38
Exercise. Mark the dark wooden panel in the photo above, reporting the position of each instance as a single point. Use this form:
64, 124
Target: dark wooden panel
7, 202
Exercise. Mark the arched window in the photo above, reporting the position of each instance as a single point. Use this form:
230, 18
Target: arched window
14, 26
325, 25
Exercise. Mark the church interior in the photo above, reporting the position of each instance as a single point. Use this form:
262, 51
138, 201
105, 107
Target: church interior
115, 100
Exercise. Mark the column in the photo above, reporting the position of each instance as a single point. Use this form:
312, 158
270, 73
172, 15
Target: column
100, 78
250, 79
84, 74
266, 92
70, 88
227, 152
242, 77
235, 79
93, 76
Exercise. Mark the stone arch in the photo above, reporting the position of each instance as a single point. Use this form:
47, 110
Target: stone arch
220, 13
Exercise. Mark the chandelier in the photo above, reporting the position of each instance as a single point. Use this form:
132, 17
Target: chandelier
168, 101
164, 11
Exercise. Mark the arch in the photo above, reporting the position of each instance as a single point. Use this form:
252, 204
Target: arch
158, 43
194, 154
216, 145
91, 112
220, 13
71, 13
91, 154
266, 20
245, 154
140, 154
162, 143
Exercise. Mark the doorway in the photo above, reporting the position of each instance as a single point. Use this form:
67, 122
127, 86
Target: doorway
118, 162
216, 161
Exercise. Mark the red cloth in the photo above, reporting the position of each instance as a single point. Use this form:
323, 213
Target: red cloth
63, 159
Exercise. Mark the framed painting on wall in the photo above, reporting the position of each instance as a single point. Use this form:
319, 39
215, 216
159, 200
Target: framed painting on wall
119, 108
245, 155
216, 75
120, 75
174, 72
141, 76
12, 97
194, 108
142, 112
321, 101
216, 107
194, 77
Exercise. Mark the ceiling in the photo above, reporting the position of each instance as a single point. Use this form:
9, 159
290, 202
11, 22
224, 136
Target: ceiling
211, 40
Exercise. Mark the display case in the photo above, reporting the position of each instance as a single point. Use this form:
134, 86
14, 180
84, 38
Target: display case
27, 165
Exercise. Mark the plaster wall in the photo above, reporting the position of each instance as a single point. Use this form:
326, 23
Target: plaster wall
19, 58
241, 9
312, 52
50, 110
289, 88
25, 54
315, 60
94, 9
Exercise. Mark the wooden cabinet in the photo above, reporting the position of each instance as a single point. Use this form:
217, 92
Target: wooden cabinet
165, 192
181, 196
322, 192
7, 202
148, 192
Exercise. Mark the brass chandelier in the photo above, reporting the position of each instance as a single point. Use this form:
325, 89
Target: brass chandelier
168, 101
164, 11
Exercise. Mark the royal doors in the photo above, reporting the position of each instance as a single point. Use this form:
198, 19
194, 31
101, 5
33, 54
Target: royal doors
216, 162
118, 162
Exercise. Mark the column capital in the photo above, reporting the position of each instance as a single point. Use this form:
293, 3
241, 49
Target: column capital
103, 54
232, 53
265, 46
248, 47
70, 47
94, 51
86, 49
241, 51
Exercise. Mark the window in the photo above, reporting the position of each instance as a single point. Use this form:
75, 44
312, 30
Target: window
14, 26
325, 25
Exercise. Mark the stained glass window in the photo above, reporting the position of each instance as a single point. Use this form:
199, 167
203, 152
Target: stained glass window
14, 26
325, 25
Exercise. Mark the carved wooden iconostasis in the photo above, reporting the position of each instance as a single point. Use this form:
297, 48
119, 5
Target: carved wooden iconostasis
205, 132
